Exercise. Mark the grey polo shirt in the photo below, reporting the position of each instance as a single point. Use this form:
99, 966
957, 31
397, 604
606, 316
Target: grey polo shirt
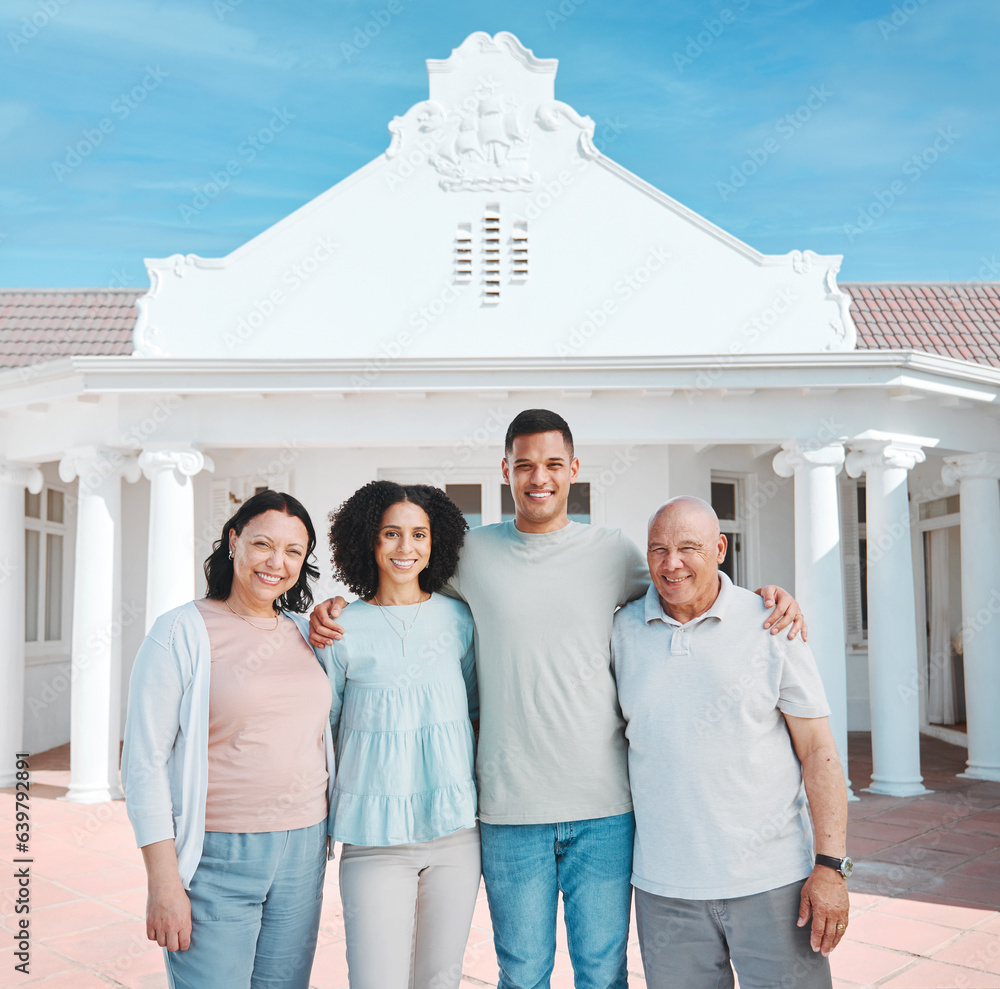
720, 807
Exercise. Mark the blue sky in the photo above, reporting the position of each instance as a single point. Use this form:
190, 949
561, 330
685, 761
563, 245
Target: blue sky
867, 129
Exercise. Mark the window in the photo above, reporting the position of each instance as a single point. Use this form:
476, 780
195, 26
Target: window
854, 549
469, 498
728, 500
44, 547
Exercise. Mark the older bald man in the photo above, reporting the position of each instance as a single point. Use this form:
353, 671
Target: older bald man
728, 736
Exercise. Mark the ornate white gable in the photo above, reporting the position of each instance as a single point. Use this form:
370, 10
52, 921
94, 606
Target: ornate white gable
492, 227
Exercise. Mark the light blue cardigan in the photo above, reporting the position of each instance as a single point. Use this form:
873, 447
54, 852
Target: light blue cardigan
165, 757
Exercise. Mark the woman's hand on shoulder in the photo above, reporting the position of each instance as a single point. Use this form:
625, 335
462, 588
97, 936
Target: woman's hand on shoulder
168, 916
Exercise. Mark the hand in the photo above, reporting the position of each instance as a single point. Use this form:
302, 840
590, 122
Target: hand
168, 916
323, 630
824, 896
786, 612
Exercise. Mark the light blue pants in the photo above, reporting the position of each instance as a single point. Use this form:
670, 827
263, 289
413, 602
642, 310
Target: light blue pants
255, 905
526, 866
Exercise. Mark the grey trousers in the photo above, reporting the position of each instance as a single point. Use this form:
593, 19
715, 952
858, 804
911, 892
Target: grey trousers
408, 910
688, 944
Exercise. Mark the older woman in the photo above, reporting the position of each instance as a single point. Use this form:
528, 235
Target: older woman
404, 801
225, 765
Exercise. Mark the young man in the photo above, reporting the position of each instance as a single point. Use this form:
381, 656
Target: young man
554, 802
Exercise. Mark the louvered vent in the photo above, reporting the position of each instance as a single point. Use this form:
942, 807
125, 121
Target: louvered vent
491, 253
463, 254
519, 252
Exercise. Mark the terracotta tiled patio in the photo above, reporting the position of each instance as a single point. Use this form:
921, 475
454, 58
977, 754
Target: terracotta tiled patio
925, 893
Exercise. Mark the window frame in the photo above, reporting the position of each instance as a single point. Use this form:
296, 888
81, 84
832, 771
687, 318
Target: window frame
745, 524
42, 646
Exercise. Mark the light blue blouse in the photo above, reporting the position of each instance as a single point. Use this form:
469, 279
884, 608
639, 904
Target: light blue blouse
404, 743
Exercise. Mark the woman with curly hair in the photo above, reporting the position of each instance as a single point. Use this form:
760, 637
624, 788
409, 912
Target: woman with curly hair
404, 684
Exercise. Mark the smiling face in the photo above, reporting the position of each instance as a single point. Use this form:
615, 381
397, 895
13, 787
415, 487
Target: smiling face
267, 560
540, 471
684, 552
403, 546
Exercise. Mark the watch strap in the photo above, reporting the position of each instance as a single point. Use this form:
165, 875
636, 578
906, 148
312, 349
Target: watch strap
831, 862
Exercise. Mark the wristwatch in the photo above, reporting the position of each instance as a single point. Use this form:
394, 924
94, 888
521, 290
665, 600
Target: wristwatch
844, 866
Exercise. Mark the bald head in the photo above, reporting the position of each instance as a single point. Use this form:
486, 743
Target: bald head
684, 552
693, 510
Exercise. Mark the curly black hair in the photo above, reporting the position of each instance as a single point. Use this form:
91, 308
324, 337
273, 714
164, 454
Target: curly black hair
354, 529
219, 568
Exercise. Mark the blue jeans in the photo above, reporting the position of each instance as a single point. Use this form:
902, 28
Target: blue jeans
526, 866
255, 904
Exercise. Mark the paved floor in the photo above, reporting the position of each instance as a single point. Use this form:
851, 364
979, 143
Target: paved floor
925, 894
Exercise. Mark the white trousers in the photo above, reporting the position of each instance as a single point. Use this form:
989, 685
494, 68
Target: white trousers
408, 910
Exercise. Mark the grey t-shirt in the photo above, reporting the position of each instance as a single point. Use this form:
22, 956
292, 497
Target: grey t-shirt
551, 742
720, 807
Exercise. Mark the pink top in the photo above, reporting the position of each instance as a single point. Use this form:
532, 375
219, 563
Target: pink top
269, 700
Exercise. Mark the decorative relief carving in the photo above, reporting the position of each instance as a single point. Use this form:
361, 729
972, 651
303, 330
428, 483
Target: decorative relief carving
482, 140
486, 148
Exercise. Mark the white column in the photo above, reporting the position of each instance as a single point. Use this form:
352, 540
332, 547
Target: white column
819, 578
980, 497
13, 480
893, 677
95, 701
170, 562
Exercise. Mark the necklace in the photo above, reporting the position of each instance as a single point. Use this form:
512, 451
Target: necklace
402, 621
260, 628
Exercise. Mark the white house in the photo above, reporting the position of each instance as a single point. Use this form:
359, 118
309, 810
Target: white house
492, 259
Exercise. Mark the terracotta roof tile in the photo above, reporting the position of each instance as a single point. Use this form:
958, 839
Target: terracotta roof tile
39, 325
956, 319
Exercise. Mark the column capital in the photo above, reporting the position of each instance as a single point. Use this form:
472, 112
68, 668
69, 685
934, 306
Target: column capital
28, 477
869, 455
795, 456
91, 464
185, 461
971, 466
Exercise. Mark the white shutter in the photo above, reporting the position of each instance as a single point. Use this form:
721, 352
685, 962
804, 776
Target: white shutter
273, 482
222, 506
849, 541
